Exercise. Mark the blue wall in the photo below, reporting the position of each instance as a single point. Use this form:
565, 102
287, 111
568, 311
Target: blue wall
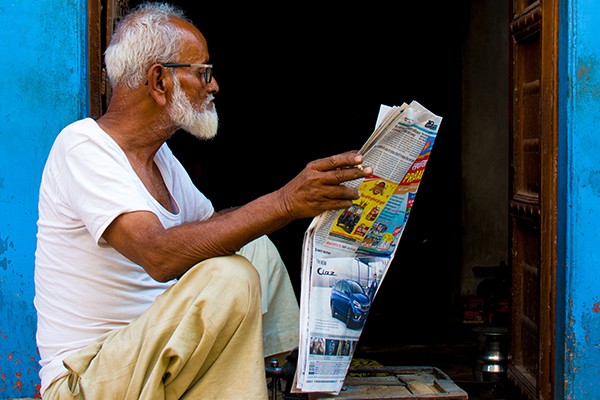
43, 71
579, 215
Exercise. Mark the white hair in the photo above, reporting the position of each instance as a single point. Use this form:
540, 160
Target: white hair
145, 36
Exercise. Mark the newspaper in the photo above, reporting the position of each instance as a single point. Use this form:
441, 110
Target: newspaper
346, 254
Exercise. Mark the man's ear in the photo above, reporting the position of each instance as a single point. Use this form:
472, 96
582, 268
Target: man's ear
157, 81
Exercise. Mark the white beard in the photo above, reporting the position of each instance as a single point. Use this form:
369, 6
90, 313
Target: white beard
201, 124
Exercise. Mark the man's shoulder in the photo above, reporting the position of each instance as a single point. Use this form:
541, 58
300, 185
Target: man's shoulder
80, 126
77, 132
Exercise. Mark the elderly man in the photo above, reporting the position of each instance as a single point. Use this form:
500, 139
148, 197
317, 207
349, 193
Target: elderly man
143, 291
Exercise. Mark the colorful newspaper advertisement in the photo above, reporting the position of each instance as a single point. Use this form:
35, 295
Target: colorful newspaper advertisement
346, 253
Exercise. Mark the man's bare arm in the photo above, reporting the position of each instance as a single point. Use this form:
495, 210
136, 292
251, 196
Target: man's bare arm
168, 253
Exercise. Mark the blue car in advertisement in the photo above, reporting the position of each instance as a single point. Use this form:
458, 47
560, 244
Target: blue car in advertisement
349, 303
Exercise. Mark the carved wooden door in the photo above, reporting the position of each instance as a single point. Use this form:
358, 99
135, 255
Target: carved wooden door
533, 186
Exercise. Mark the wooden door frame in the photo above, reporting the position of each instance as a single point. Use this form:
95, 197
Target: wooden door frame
549, 200
102, 16
94, 57
530, 18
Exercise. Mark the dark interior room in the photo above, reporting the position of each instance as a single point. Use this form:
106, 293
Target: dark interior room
306, 81
304, 85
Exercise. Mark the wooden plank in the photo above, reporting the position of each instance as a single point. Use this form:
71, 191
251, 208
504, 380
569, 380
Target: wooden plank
417, 386
390, 380
416, 383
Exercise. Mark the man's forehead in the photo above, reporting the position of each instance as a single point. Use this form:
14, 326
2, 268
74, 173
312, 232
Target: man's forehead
194, 45
187, 27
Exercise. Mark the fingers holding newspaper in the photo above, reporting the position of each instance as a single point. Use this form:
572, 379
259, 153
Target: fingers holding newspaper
320, 185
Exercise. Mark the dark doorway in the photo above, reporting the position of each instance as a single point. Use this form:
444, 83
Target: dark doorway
304, 83
307, 82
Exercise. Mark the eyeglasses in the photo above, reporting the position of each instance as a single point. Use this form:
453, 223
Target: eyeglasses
207, 69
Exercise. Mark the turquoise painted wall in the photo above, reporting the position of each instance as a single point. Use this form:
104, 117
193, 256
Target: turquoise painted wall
579, 215
43, 71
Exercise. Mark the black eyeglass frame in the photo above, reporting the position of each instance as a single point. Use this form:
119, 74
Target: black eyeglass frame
207, 69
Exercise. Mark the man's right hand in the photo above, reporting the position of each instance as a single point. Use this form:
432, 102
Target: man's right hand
318, 187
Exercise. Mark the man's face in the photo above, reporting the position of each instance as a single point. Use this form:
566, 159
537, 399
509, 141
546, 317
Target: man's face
202, 124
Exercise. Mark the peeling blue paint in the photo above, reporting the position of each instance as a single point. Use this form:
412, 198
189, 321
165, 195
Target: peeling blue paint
3, 244
587, 76
578, 308
594, 180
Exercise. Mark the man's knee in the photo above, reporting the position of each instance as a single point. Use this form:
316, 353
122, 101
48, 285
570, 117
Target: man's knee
233, 273
236, 268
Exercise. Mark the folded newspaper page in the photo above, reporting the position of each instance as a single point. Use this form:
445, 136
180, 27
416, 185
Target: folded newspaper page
346, 253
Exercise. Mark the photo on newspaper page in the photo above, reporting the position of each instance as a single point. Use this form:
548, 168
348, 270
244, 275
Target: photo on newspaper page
347, 253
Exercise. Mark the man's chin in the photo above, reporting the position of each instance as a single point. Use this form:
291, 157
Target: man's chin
204, 128
202, 135
202, 132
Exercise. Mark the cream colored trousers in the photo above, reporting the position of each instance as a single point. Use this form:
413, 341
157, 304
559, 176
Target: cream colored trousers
203, 338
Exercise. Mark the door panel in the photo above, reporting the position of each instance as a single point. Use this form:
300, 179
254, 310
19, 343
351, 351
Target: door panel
532, 205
